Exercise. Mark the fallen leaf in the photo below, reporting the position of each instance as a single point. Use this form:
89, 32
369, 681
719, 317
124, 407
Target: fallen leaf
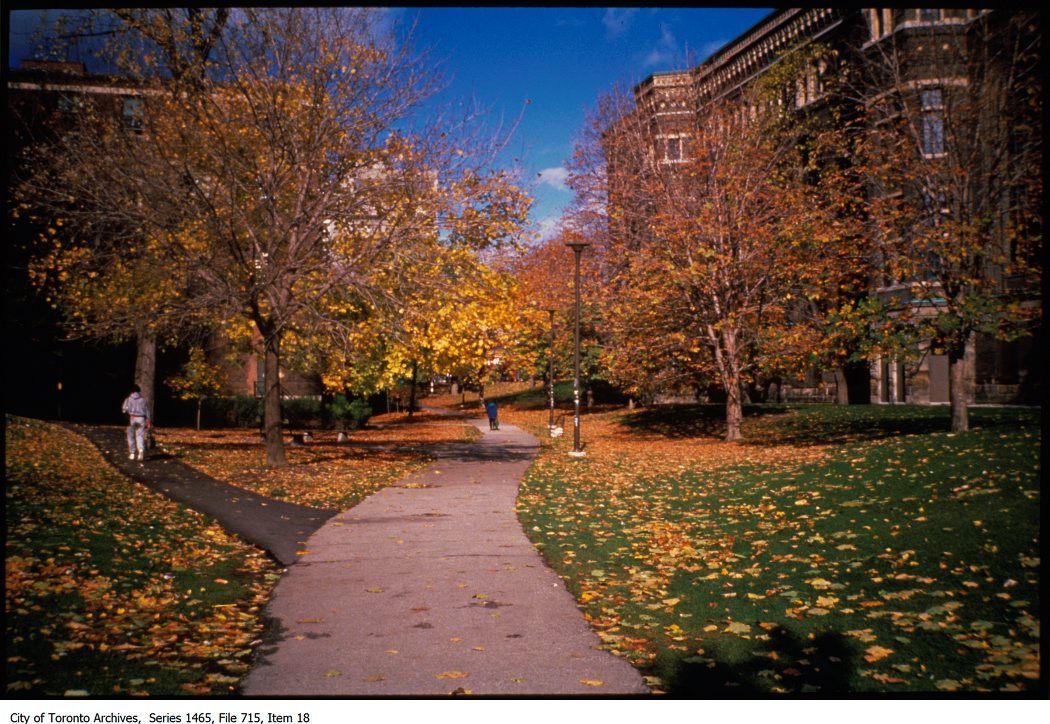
887, 679
876, 653
592, 682
453, 675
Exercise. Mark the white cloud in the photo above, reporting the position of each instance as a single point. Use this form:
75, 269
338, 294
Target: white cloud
616, 21
666, 50
554, 177
548, 227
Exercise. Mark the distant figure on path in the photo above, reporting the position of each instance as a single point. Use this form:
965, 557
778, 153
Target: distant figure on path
137, 410
490, 408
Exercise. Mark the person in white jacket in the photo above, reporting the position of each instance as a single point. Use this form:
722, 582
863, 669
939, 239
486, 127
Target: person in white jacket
137, 410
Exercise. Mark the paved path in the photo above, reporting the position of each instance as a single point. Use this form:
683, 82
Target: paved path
275, 526
429, 587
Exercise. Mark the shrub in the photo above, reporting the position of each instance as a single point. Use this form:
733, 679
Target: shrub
245, 411
301, 411
235, 411
350, 413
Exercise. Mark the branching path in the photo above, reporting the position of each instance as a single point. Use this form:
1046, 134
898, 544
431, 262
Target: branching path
275, 526
431, 587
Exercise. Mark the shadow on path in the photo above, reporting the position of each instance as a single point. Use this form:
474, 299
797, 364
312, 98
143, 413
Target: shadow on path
277, 527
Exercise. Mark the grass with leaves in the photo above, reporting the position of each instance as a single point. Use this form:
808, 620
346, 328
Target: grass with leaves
841, 549
112, 589
324, 473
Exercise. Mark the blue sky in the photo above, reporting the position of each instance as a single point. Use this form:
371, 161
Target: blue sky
559, 59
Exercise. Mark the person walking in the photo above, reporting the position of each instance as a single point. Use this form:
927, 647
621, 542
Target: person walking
137, 410
490, 408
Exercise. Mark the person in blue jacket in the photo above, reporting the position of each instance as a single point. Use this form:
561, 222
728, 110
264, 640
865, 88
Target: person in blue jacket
490, 408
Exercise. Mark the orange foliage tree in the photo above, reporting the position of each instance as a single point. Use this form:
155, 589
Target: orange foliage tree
713, 255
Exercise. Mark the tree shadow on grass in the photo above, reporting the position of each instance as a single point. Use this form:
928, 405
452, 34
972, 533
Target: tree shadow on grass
805, 425
785, 663
689, 421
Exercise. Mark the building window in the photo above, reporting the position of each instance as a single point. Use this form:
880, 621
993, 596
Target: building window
928, 16
674, 149
134, 115
932, 104
811, 87
937, 214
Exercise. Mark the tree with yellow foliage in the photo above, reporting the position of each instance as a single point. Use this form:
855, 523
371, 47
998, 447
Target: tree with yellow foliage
290, 185
197, 380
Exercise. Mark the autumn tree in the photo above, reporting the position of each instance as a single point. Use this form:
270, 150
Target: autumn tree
197, 380
953, 160
456, 324
93, 261
290, 183
544, 296
713, 236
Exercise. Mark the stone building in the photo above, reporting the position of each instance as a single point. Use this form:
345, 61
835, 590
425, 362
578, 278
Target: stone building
996, 371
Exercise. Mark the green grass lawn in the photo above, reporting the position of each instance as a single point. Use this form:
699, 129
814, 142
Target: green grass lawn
843, 549
112, 589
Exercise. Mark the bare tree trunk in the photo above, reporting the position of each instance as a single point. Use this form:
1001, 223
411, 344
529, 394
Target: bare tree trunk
412, 389
146, 365
275, 457
734, 411
957, 389
841, 387
728, 367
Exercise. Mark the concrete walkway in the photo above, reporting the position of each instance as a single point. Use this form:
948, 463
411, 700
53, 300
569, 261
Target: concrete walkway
431, 587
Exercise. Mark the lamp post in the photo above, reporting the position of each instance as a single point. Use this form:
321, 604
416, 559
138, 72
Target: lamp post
577, 245
550, 376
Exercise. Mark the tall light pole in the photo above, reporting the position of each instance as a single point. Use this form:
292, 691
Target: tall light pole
577, 245
550, 376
